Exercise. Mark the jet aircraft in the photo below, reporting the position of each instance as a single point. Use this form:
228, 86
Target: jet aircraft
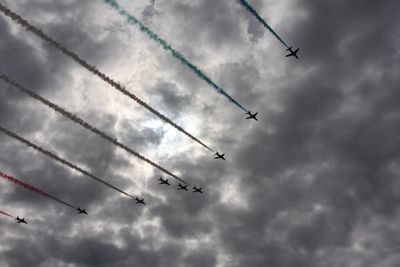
292, 53
140, 201
219, 156
251, 115
82, 211
162, 181
182, 187
21, 220
197, 190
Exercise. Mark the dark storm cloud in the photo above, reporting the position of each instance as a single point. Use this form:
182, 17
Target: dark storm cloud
244, 78
213, 22
294, 138
171, 100
14, 51
350, 152
93, 252
315, 181
149, 12
366, 32
143, 138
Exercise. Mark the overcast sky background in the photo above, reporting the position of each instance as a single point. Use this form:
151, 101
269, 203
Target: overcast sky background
314, 183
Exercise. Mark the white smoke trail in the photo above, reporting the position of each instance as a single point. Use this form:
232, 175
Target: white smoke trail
93, 70
62, 161
81, 122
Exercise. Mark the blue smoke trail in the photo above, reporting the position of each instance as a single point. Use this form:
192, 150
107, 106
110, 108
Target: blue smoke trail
132, 20
263, 22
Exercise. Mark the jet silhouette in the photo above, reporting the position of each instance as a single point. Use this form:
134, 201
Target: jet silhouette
197, 190
292, 53
162, 181
219, 156
182, 187
81, 211
140, 201
21, 220
251, 116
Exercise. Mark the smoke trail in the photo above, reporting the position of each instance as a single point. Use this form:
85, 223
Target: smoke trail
132, 20
81, 122
33, 189
93, 70
6, 214
260, 19
60, 160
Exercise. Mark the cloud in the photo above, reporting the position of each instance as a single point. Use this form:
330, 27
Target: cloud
313, 183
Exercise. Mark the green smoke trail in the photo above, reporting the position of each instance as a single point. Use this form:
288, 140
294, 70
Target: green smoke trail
132, 20
260, 19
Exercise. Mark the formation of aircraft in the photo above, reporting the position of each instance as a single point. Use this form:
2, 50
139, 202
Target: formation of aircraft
184, 187
20, 220
219, 156
82, 211
140, 201
197, 190
162, 181
292, 53
251, 115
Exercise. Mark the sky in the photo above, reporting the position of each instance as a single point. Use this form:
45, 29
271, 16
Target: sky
314, 182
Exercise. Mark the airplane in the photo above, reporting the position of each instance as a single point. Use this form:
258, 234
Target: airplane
82, 211
140, 201
197, 190
292, 53
219, 156
182, 187
162, 181
251, 116
21, 220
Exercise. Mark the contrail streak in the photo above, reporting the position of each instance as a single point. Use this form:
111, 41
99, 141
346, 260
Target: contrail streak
94, 70
260, 19
81, 122
132, 20
32, 188
6, 214
60, 160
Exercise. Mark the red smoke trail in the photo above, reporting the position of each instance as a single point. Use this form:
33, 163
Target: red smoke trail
32, 188
81, 122
62, 161
6, 214
93, 70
